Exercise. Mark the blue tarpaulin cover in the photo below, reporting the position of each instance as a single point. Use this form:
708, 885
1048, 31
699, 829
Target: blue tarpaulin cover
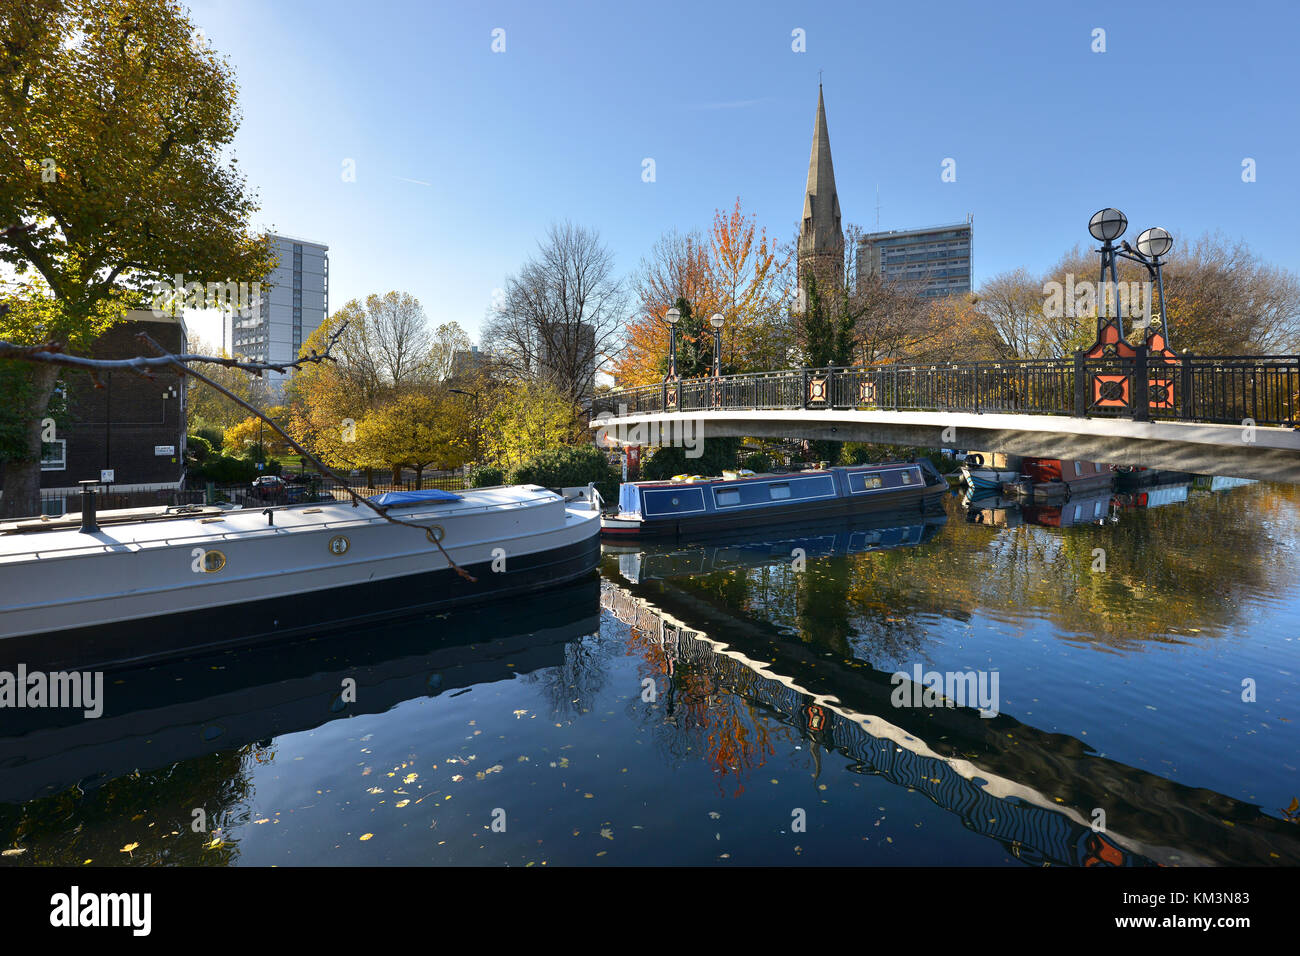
398, 499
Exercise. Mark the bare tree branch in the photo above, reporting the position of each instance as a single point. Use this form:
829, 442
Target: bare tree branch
51, 353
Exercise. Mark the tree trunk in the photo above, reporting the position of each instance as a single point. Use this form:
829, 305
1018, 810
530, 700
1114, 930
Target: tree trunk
22, 484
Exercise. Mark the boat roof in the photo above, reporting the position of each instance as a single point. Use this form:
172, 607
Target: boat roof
36, 540
769, 475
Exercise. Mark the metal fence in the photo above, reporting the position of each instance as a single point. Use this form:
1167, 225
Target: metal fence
1227, 389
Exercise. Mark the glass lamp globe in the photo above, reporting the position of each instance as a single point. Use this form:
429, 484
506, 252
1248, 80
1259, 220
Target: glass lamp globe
1107, 225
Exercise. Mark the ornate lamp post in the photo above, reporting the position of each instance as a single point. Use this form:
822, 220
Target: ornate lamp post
1152, 244
1142, 390
716, 321
673, 316
1107, 225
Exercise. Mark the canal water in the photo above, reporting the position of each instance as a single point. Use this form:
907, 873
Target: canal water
734, 703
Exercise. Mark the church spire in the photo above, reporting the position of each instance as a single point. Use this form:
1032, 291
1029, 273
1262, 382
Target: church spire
821, 238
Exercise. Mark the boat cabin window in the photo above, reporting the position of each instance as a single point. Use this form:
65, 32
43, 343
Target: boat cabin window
728, 496
1078, 469
872, 481
780, 491
907, 477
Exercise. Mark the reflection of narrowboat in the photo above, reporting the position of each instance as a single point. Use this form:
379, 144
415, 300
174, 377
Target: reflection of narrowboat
1128, 477
1220, 483
992, 510
640, 561
1090, 509
1155, 496
1050, 479
708, 504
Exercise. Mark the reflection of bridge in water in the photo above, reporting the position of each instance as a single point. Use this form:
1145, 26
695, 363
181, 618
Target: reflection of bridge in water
973, 767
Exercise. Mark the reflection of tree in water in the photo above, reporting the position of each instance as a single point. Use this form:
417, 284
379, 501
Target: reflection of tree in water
1167, 569
701, 711
572, 687
154, 810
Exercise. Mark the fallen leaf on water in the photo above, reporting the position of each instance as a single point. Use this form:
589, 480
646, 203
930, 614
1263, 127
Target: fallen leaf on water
366, 836
402, 803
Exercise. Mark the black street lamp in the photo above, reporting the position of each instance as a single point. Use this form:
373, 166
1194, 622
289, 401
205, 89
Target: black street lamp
716, 320
671, 392
673, 316
1152, 244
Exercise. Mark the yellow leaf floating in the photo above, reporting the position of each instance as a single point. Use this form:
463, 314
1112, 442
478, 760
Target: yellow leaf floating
366, 836
402, 803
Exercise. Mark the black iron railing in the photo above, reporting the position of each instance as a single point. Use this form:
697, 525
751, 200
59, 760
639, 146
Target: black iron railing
1232, 389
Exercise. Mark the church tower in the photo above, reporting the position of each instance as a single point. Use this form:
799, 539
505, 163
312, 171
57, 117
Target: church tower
821, 238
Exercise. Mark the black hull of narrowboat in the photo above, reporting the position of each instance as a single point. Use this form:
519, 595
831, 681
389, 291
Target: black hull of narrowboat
924, 500
298, 615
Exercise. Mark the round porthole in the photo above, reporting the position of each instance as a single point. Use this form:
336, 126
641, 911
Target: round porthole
212, 561
676, 502
339, 545
435, 533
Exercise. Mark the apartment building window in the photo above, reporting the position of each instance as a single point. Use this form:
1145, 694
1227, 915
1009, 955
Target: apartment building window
54, 455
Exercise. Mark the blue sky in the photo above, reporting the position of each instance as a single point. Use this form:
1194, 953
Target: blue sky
463, 156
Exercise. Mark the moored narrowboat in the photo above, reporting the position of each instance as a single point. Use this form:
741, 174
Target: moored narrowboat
695, 504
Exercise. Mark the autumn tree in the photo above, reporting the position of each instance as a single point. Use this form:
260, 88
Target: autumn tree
735, 270
114, 169
448, 339
749, 284
252, 433
677, 268
529, 416
420, 428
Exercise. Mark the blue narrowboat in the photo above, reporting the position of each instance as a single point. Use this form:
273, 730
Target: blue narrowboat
688, 505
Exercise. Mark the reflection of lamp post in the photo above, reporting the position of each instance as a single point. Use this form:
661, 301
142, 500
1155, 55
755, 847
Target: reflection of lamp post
674, 316
716, 321
477, 420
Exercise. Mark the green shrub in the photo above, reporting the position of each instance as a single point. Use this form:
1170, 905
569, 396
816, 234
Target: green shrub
197, 447
756, 462
485, 476
568, 467
225, 470
213, 436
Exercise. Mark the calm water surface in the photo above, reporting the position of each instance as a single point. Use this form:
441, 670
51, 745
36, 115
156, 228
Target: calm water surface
732, 703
